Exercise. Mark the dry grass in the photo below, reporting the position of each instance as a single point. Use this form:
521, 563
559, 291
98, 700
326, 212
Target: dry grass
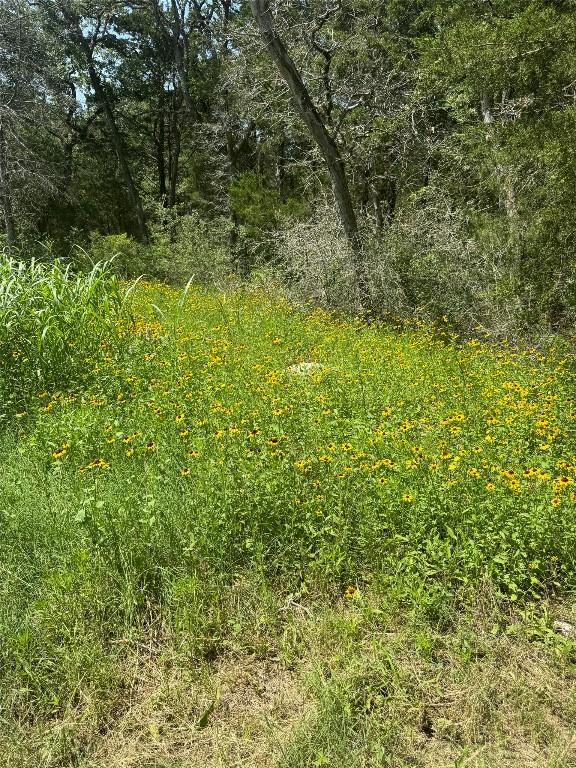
435, 700
250, 708
350, 696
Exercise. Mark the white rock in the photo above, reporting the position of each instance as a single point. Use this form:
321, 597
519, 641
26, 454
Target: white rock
564, 628
302, 368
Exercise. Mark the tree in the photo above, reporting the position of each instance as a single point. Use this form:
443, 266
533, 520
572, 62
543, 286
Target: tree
28, 111
326, 144
86, 27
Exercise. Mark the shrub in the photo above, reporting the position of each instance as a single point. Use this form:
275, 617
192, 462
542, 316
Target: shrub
190, 247
128, 256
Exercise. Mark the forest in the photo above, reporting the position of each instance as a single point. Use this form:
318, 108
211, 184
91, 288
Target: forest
287, 376
208, 137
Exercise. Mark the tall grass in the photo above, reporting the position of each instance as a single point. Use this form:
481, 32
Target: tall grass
53, 322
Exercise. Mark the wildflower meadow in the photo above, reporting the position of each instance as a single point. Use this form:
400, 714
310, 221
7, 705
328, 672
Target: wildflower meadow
190, 476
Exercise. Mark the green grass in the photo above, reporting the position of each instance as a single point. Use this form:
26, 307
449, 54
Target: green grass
377, 531
52, 325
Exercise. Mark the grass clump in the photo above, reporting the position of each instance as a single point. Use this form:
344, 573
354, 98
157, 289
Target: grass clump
53, 323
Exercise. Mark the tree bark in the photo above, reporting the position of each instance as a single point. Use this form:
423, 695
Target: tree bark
174, 153
503, 172
179, 43
238, 252
10, 226
119, 149
160, 144
326, 144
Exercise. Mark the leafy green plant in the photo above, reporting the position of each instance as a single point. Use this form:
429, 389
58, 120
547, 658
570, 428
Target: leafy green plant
54, 325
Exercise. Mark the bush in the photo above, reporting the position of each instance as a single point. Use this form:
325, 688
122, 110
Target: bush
190, 247
181, 247
434, 262
315, 260
128, 256
53, 325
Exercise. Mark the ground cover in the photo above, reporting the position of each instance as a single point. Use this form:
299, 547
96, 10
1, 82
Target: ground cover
302, 538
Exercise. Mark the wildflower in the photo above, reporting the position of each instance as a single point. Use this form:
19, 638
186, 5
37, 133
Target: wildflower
325, 458
96, 464
346, 446
350, 592
179, 418
563, 481
407, 498
490, 487
60, 452
473, 472
150, 445
555, 501
184, 472
273, 441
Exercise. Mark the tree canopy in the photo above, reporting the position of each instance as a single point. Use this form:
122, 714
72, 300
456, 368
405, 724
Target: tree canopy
442, 133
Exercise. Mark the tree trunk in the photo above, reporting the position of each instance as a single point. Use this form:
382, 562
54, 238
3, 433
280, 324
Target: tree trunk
384, 201
503, 172
179, 42
238, 252
174, 157
280, 170
326, 144
160, 143
104, 103
9, 224
118, 144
